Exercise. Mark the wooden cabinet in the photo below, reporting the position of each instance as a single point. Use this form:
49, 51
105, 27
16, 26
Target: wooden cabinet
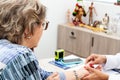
105, 44
73, 40
83, 42
99, 44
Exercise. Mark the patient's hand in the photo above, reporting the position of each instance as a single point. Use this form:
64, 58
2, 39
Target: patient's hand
54, 76
95, 74
85, 72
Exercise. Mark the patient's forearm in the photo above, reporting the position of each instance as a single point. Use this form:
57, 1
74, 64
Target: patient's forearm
76, 74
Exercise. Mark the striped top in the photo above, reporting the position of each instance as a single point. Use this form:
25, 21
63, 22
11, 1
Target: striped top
19, 63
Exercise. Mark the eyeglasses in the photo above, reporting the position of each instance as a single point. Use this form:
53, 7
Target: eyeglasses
45, 25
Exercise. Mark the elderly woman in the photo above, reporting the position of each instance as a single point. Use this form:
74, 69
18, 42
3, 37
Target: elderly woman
21, 25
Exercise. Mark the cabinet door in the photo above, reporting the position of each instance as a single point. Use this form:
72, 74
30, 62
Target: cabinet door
65, 39
114, 46
82, 43
99, 44
104, 45
74, 40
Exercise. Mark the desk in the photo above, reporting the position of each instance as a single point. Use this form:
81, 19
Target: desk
49, 67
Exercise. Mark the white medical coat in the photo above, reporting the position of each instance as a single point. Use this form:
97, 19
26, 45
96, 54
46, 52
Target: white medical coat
113, 62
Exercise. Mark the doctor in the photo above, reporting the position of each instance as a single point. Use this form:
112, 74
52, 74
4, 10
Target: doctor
108, 62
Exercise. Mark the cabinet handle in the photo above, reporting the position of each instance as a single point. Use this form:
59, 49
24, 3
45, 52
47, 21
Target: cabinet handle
92, 41
72, 35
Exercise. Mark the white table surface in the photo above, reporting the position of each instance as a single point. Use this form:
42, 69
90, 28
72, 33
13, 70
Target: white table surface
49, 67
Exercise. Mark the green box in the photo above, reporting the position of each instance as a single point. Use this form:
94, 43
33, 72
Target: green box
59, 54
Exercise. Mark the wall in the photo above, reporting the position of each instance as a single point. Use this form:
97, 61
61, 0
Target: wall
56, 14
101, 9
104, 1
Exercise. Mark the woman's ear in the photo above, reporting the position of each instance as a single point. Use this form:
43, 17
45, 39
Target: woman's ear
27, 34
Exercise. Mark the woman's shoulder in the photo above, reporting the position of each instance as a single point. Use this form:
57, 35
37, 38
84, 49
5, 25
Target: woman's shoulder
23, 52
11, 47
21, 49
24, 64
10, 51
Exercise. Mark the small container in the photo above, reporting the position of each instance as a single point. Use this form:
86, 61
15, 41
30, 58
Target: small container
59, 54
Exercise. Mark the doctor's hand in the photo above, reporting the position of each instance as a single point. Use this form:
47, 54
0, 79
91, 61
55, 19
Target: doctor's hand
96, 59
54, 76
95, 74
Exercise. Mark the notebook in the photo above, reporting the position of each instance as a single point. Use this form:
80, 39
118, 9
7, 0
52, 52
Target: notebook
65, 65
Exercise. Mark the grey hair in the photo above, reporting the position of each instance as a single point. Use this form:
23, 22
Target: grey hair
18, 15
